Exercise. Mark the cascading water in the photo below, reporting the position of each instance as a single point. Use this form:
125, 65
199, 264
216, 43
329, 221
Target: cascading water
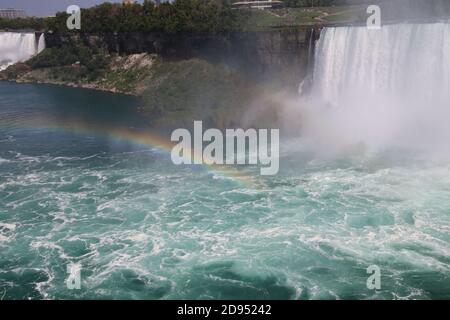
15, 47
41, 43
306, 83
382, 88
399, 59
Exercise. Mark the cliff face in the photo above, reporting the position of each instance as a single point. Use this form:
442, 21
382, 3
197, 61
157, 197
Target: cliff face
277, 54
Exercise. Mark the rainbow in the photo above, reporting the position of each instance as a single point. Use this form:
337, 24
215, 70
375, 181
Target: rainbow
145, 138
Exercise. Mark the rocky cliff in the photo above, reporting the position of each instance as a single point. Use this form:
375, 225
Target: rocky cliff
218, 78
280, 55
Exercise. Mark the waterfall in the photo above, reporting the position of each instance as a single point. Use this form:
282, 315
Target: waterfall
305, 85
382, 88
405, 59
41, 43
15, 47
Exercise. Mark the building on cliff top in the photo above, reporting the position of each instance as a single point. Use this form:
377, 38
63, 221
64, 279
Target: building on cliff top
12, 13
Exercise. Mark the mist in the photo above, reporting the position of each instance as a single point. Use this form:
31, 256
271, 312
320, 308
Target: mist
377, 91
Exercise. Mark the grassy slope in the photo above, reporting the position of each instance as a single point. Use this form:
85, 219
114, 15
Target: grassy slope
174, 93
121, 74
179, 92
286, 17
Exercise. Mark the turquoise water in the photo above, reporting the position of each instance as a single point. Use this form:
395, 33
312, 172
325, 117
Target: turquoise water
142, 228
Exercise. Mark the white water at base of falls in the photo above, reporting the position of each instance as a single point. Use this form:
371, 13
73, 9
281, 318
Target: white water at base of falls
382, 88
19, 47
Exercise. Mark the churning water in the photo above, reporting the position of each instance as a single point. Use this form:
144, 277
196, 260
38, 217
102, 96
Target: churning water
143, 228
73, 191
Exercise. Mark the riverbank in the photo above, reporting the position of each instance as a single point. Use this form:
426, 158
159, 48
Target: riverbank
173, 93
122, 74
